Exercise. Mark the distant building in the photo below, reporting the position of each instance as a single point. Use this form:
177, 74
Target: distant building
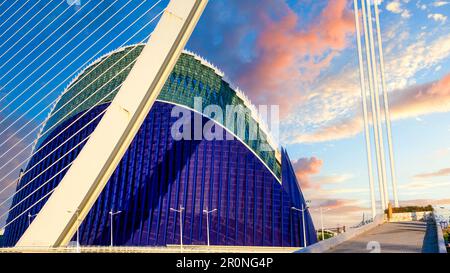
252, 189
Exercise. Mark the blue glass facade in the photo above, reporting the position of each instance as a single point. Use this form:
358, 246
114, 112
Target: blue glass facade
158, 173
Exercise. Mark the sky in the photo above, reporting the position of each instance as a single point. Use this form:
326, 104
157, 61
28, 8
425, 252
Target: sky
300, 55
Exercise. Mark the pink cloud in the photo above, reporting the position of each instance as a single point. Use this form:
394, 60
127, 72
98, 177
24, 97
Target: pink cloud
413, 101
425, 202
288, 56
439, 173
10, 167
337, 203
422, 99
304, 168
338, 212
349, 212
340, 130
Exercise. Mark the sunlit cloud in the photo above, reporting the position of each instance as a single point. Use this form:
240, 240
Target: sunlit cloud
340, 212
395, 7
438, 17
440, 3
439, 173
425, 202
340, 93
289, 56
306, 167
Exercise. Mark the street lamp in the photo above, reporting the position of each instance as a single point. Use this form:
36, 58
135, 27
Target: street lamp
29, 218
302, 210
321, 220
112, 214
207, 221
78, 227
181, 225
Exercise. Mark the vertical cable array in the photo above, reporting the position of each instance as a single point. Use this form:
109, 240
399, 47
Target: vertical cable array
386, 107
377, 100
373, 67
365, 111
34, 76
373, 106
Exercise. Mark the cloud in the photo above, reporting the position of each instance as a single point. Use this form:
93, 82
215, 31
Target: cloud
9, 166
440, 3
334, 204
304, 168
394, 7
307, 171
439, 173
334, 109
289, 57
349, 211
406, 101
332, 179
406, 14
338, 212
422, 99
421, 186
397, 8
425, 202
403, 64
271, 51
438, 17
279, 57
342, 129
410, 102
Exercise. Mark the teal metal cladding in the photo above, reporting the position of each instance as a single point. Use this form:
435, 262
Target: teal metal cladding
189, 79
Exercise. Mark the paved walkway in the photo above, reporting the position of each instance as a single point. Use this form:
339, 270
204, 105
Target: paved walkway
404, 237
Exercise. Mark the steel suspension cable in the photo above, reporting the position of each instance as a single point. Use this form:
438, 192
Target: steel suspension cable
35, 104
37, 127
48, 59
18, 20
62, 131
35, 48
35, 25
12, 15
31, 40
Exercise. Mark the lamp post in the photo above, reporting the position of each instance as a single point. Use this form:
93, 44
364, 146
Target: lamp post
208, 212
78, 228
321, 220
180, 211
321, 223
29, 218
112, 214
302, 210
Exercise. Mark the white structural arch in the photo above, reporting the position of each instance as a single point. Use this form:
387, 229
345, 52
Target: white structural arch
71, 201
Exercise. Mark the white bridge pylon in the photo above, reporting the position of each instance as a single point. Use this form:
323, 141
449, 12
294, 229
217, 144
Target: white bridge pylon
72, 200
374, 94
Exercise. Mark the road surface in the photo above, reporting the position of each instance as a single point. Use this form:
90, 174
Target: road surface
404, 237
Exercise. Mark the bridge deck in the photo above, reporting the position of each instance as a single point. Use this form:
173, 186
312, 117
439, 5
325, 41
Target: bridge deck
168, 249
402, 237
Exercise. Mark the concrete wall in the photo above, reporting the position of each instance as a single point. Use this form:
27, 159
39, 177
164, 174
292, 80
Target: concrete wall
440, 236
325, 245
409, 216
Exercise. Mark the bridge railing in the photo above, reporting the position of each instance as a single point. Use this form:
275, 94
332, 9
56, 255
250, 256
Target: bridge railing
440, 236
328, 244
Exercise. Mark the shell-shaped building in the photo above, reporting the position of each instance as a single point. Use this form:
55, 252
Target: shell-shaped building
252, 189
